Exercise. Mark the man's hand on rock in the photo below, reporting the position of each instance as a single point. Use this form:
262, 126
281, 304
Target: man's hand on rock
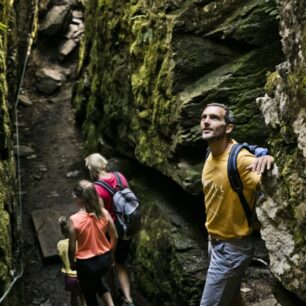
261, 164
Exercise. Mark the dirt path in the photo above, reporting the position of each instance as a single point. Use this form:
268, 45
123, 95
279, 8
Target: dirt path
48, 127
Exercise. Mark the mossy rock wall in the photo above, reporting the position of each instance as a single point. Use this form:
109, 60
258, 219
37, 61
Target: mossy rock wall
283, 213
16, 18
7, 170
147, 69
170, 260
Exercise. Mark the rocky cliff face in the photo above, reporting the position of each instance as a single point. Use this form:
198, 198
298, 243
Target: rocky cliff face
14, 31
147, 69
283, 213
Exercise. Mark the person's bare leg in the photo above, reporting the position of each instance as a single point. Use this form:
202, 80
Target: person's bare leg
82, 299
123, 277
107, 299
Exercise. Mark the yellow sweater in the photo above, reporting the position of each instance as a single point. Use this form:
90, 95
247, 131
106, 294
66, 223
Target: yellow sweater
62, 248
225, 217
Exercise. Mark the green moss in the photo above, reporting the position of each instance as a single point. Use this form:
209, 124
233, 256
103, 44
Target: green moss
273, 80
91, 138
303, 42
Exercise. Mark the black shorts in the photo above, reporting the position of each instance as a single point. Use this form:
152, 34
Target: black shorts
122, 250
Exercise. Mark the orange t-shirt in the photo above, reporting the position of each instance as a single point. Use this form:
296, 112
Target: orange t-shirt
90, 235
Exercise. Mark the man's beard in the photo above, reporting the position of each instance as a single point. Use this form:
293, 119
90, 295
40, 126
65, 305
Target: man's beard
216, 135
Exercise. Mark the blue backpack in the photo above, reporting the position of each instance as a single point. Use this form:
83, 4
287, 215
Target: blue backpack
233, 173
126, 206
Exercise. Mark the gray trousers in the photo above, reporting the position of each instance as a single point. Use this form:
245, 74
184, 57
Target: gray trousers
228, 261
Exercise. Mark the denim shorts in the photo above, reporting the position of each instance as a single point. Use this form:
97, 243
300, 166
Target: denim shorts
228, 262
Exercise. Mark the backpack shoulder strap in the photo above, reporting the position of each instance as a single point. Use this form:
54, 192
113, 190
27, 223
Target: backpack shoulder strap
118, 178
235, 180
106, 186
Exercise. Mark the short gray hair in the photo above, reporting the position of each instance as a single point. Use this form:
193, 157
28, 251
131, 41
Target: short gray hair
229, 117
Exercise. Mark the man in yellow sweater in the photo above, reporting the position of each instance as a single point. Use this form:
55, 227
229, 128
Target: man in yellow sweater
230, 242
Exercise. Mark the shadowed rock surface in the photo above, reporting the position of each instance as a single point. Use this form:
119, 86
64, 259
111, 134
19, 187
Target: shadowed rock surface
283, 213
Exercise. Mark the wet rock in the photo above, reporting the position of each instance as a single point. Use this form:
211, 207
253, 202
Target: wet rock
190, 63
24, 100
49, 80
23, 151
46, 303
73, 174
73, 28
77, 14
66, 48
76, 20
268, 302
56, 20
42, 168
20, 124
79, 31
44, 6
33, 156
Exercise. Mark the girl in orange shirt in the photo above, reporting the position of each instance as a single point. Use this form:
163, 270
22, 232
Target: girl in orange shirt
92, 240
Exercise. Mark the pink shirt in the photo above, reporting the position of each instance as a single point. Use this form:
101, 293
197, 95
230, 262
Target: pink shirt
106, 196
90, 235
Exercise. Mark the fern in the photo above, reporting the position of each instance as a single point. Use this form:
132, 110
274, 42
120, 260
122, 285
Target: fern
3, 27
272, 9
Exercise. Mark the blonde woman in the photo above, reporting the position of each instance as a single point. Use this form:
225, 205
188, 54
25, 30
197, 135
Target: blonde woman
96, 165
92, 240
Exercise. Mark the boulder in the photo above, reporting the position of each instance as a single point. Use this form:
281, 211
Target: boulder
55, 21
24, 100
72, 29
48, 80
66, 48
23, 151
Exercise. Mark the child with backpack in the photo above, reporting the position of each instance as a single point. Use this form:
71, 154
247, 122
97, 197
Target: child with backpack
71, 279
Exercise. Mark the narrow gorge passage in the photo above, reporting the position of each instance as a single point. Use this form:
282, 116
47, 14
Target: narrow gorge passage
51, 164
47, 127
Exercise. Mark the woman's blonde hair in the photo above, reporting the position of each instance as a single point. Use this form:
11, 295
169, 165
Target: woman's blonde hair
95, 162
87, 192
